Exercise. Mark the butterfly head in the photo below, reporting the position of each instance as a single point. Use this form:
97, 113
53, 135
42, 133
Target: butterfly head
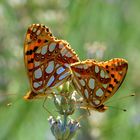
101, 108
95, 105
32, 95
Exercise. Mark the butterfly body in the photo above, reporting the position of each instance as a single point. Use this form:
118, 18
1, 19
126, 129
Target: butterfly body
47, 60
98, 81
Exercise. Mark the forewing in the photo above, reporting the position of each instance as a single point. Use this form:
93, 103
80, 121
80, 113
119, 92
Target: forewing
98, 81
47, 59
37, 36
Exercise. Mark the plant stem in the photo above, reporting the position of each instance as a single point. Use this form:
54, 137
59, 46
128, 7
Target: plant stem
65, 121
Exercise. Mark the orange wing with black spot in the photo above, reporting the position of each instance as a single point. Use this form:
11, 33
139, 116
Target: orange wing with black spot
47, 60
98, 81
37, 36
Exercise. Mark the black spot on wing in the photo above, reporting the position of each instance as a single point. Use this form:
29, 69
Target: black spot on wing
31, 61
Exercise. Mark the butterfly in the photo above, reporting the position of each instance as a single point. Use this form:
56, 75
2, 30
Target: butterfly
98, 81
47, 60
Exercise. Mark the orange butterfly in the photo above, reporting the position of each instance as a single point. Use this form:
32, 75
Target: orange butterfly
98, 81
47, 60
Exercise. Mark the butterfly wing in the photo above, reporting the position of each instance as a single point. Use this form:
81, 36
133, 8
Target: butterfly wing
98, 81
37, 36
47, 59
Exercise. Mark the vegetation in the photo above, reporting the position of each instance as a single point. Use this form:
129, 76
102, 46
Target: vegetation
112, 24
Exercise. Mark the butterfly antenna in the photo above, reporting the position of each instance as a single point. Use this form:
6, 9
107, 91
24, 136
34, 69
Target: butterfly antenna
118, 108
120, 98
14, 101
9, 95
9, 104
46, 108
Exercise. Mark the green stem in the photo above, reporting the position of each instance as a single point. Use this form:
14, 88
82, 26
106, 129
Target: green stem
65, 121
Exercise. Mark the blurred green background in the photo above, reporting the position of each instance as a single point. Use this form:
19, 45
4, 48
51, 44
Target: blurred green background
98, 29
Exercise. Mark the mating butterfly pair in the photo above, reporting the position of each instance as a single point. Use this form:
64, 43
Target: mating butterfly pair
51, 62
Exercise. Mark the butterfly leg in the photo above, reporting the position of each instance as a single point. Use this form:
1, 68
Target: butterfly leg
84, 115
43, 105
